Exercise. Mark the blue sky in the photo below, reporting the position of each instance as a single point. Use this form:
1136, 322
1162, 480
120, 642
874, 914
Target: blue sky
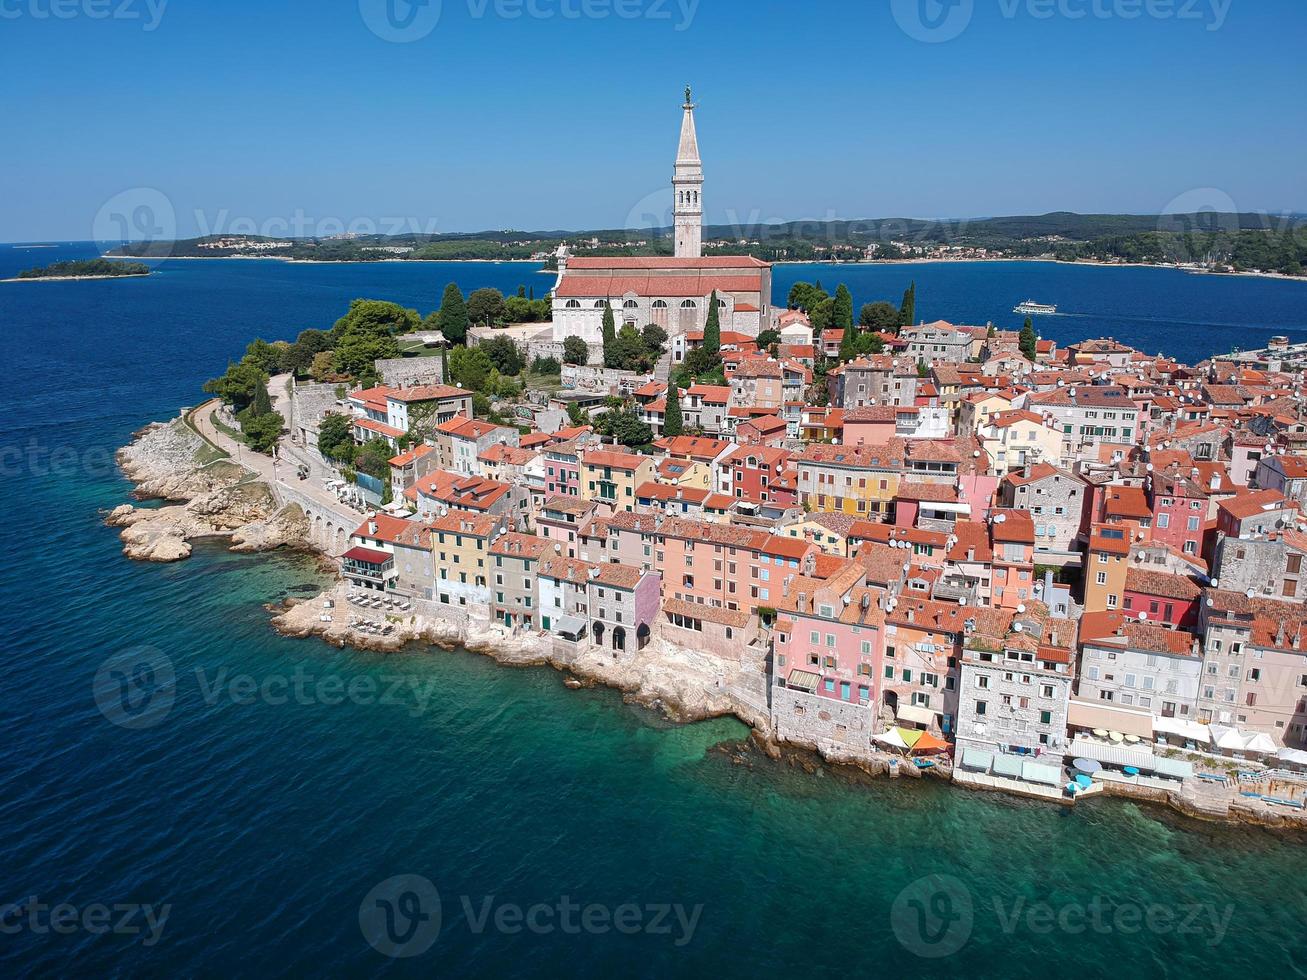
564, 113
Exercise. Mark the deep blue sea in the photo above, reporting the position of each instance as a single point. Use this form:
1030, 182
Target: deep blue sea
280, 798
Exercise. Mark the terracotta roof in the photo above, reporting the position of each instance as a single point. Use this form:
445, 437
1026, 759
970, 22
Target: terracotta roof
1163, 584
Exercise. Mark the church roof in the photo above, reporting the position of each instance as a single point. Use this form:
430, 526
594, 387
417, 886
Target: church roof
667, 262
692, 284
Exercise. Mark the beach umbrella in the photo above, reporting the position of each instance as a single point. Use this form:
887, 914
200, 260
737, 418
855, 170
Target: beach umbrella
1087, 766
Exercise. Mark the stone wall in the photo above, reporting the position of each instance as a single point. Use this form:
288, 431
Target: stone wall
808, 719
405, 372
309, 403
601, 380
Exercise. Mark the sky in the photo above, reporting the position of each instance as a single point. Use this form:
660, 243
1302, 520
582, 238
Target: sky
305, 116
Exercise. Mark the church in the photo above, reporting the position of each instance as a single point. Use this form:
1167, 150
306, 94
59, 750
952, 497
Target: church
671, 291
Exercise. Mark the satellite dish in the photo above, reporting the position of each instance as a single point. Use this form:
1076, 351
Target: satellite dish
1143, 617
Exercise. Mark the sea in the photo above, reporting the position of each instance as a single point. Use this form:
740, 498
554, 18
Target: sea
282, 807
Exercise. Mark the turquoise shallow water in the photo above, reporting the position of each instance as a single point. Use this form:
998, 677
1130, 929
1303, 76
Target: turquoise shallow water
271, 799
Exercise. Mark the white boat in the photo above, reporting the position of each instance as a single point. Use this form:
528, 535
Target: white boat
1030, 307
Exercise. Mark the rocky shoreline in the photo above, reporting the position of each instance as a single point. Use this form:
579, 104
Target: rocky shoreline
207, 495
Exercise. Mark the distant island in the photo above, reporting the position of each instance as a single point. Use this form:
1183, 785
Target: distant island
86, 269
1209, 242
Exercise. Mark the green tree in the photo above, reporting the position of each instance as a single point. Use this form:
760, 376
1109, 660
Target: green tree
504, 354
238, 386
452, 318
629, 352
265, 355
261, 430
471, 367
655, 338
908, 309
822, 315
768, 339
843, 308
373, 458
1027, 340
673, 423
575, 350
610, 336
849, 344
367, 333
879, 315
574, 414
625, 426
336, 437
486, 305
262, 403
712, 332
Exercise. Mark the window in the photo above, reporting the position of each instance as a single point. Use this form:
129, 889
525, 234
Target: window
980, 707
660, 304
688, 304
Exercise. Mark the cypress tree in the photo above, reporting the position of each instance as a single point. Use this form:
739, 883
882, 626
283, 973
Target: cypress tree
262, 404
843, 307
453, 315
610, 337
1027, 341
673, 423
712, 334
908, 311
849, 344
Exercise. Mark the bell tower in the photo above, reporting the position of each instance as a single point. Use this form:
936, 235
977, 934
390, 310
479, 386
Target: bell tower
687, 188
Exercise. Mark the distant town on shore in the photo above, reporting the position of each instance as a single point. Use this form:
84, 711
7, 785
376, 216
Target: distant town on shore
1208, 241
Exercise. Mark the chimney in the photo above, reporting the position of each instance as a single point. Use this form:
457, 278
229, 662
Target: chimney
372, 528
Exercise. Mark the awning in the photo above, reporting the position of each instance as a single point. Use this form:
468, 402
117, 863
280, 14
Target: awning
1173, 768
1183, 728
1007, 765
977, 759
916, 714
1037, 772
910, 736
1112, 754
804, 680
569, 626
1234, 740
1098, 714
1296, 757
929, 743
368, 556
946, 505
892, 737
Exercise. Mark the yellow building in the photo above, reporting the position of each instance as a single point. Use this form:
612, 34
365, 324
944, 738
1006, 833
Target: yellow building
1014, 440
1107, 561
460, 545
857, 480
976, 409
828, 531
612, 477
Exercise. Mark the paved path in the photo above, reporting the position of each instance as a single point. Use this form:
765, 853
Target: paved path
270, 471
